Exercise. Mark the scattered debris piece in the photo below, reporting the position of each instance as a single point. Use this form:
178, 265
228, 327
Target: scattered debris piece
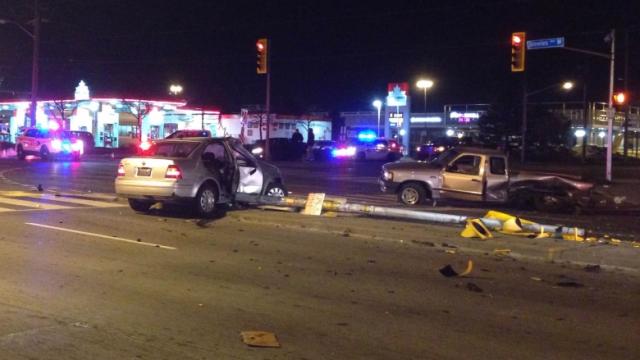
40, 188
80, 324
260, 339
425, 243
475, 228
502, 252
449, 246
571, 284
473, 287
450, 251
592, 268
448, 270
535, 278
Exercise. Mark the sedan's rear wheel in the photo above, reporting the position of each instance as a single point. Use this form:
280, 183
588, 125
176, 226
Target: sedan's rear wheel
140, 205
412, 194
206, 201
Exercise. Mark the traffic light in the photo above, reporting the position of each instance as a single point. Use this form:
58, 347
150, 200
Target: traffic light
517, 51
620, 100
262, 53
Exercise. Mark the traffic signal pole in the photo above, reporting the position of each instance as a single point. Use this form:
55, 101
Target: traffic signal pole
267, 150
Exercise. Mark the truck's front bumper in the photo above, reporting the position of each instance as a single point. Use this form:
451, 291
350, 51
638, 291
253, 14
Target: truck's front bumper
388, 187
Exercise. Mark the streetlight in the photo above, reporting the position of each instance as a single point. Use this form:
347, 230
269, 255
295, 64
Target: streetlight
425, 84
567, 85
175, 89
35, 36
378, 105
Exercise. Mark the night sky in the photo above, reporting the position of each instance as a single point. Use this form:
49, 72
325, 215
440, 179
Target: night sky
326, 55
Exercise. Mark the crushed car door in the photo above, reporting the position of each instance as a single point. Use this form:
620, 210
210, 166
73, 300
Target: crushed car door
463, 178
217, 161
250, 175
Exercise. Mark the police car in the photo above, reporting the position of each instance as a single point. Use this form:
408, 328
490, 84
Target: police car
48, 143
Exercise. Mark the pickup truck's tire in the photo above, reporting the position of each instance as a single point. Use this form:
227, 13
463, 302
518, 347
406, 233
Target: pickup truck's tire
276, 190
140, 205
412, 194
206, 201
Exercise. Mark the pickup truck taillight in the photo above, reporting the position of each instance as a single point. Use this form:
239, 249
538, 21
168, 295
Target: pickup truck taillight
173, 172
120, 170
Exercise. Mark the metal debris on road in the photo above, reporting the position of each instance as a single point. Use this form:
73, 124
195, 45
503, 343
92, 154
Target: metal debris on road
571, 284
473, 287
448, 270
260, 339
592, 268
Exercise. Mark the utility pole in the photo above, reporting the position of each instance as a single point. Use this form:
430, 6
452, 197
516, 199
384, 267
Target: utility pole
626, 91
610, 110
35, 69
267, 148
524, 118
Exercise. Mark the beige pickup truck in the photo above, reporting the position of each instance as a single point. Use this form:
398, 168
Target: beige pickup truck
478, 174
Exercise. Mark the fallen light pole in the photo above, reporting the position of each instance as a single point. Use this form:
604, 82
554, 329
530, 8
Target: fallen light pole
381, 211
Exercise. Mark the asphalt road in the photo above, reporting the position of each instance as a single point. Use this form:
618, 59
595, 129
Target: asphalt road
92, 279
356, 181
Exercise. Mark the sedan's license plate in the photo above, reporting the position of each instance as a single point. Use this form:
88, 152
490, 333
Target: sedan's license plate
144, 171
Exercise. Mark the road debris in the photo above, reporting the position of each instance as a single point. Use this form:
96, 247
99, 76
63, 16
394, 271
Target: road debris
592, 268
502, 252
473, 287
448, 270
535, 278
260, 339
571, 284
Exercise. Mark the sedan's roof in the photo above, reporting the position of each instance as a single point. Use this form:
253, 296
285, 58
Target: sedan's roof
478, 150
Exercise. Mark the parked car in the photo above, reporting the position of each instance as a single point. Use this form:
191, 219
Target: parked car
86, 137
378, 149
180, 134
47, 144
433, 148
323, 149
203, 172
477, 174
282, 149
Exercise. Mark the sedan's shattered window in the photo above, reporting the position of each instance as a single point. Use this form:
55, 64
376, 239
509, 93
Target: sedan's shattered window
176, 150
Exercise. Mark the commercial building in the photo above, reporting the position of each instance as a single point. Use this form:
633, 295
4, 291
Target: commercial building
123, 122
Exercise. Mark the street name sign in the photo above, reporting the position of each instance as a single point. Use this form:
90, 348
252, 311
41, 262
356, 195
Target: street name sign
545, 43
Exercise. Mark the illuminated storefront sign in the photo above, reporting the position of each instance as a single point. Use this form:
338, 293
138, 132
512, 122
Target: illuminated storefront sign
464, 118
396, 118
426, 119
397, 94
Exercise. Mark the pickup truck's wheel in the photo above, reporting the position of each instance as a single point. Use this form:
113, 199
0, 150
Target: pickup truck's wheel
276, 190
20, 153
44, 153
548, 202
412, 194
206, 201
140, 205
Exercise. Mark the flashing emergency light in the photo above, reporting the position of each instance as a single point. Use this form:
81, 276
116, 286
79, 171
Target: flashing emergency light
367, 135
144, 146
344, 152
53, 125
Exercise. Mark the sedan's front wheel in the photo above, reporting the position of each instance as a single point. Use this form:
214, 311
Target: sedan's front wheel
206, 201
276, 190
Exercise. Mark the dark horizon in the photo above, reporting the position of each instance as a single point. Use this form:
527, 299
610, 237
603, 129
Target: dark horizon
326, 55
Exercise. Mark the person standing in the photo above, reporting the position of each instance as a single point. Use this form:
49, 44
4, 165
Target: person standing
297, 145
311, 138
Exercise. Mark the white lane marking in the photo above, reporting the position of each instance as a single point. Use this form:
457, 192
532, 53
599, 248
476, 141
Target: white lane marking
102, 236
31, 204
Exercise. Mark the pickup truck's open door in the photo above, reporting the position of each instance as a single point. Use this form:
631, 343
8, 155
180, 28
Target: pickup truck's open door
463, 178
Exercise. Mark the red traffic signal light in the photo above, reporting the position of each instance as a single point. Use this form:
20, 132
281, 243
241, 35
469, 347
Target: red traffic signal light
517, 51
262, 54
620, 98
